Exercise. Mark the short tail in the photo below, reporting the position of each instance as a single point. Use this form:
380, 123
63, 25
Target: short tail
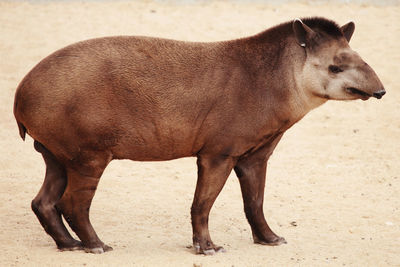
21, 127
22, 130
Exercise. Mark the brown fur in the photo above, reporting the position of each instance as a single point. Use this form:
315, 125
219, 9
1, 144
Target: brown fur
147, 99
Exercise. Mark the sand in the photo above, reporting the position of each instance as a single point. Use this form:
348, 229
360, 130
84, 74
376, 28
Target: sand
333, 185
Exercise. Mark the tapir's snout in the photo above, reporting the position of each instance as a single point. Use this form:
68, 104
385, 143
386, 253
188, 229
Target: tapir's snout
379, 94
373, 86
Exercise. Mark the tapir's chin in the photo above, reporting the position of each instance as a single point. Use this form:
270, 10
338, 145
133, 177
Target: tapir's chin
358, 93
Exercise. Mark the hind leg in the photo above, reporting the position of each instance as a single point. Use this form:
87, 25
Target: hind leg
44, 204
76, 201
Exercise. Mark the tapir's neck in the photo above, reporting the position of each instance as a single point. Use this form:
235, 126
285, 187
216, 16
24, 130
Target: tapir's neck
279, 64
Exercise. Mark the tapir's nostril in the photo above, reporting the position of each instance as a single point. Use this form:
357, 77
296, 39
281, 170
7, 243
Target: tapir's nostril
379, 94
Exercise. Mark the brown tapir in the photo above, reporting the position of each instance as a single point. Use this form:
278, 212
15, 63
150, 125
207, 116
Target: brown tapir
148, 99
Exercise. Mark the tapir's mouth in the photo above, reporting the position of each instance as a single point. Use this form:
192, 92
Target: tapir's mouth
354, 91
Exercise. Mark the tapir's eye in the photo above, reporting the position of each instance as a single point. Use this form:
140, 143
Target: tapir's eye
334, 69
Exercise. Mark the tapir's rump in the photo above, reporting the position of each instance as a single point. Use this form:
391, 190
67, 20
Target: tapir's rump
226, 103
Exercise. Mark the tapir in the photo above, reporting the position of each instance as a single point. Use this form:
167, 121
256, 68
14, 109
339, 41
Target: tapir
227, 103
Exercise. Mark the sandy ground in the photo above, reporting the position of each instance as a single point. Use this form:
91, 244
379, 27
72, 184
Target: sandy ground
333, 187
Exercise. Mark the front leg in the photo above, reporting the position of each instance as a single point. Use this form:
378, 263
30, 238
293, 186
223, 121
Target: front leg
251, 172
213, 172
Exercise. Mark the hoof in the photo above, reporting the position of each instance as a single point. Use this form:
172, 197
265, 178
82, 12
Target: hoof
99, 250
71, 248
77, 245
94, 250
274, 242
107, 248
208, 251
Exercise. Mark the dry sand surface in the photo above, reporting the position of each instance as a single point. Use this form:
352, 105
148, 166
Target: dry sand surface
333, 186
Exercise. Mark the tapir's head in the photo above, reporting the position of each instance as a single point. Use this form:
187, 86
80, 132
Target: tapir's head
332, 70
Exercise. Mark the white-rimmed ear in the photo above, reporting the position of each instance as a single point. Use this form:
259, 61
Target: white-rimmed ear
348, 30
302, 32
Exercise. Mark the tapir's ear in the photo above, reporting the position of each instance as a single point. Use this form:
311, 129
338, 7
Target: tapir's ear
348, 30
302, 32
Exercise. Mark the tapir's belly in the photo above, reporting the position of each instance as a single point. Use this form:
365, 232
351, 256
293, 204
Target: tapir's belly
152, 144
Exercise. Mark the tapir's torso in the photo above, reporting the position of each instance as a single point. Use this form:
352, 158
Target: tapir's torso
155, 99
